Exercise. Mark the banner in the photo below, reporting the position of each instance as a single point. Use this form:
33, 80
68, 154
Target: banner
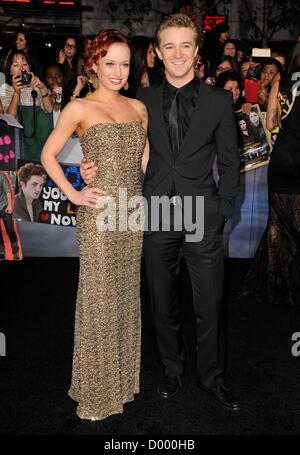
38, 199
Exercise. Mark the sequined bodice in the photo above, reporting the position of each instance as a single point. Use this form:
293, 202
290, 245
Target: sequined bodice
117, 150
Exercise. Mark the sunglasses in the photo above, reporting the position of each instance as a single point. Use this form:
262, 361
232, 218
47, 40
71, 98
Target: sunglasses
70, 46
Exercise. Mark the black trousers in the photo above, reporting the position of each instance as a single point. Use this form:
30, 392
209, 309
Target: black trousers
9, 227
205, 264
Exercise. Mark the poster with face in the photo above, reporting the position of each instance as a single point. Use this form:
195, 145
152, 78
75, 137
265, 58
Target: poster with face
38, 199
254, 142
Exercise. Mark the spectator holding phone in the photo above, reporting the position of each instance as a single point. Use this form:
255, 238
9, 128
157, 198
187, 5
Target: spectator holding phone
68, 58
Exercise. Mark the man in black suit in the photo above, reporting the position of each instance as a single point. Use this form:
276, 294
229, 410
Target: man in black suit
190, 124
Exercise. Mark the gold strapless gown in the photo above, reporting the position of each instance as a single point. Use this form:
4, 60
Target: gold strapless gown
106, 359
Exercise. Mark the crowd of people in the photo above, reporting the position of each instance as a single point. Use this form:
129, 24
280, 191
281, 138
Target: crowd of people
165, 106
63, 78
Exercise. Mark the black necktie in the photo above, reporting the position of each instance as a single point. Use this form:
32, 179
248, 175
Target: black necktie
173, 123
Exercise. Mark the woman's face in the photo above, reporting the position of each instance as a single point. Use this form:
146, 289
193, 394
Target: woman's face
234, 88
254, 118
70, 47
21, 43
113, 69
199, 67
224, 66
223, 37
150, 56
268, 73
230, 49
19, 63
243, 125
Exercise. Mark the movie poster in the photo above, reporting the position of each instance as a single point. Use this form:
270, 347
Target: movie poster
39, 200
254, 142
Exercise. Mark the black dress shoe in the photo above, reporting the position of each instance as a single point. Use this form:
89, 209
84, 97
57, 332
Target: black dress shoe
224, 398
169, 387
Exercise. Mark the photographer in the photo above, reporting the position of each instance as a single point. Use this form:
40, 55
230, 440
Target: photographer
20, 83
26, 97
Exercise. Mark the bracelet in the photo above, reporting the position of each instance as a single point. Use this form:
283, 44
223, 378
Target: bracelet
44, 96
75, 96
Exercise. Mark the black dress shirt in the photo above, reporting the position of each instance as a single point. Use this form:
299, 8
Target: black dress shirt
187, 102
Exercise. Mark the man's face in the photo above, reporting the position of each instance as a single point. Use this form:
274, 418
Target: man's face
54, 77
32, 189
177, 49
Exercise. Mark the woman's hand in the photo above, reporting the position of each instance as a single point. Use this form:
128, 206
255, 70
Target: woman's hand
17, 84
88, 171
246, 108
61, 57
87, 196
37, 83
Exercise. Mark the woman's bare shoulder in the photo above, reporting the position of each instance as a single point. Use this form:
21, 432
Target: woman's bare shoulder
138, 106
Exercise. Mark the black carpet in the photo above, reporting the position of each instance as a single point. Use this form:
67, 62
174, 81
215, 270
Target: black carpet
37, 317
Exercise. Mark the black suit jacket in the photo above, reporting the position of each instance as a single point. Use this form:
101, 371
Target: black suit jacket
212, 134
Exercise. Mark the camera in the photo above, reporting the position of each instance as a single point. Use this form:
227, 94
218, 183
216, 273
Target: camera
25, 78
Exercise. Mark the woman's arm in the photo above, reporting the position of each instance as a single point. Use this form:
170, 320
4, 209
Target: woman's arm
14, 102
272, 119
46, 100
68, 121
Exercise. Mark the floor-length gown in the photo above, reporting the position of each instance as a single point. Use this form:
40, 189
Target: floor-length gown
106, 358
274, 276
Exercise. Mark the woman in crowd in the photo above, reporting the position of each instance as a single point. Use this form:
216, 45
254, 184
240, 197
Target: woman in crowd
275, 274
225, 63
68, 58
22, 41
112, 130
142, 60
229, 48
228, 80
26, 97
201, 67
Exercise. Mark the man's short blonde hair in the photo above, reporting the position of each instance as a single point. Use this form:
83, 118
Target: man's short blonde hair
176, 20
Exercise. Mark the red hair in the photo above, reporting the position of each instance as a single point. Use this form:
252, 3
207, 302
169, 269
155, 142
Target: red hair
98, 47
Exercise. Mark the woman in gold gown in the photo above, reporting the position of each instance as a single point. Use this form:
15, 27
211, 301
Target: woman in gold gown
112, 130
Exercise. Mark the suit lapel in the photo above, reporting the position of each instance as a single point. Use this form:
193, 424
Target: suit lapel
158, 117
